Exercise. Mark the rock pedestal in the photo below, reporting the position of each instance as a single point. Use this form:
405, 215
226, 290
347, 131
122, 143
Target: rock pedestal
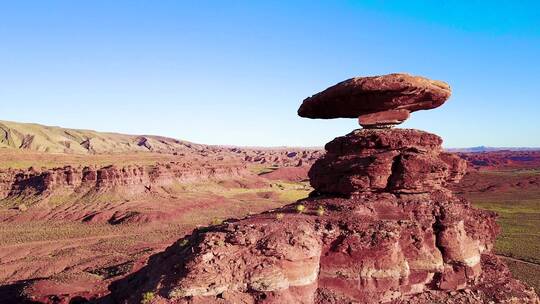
385, 160
379, 227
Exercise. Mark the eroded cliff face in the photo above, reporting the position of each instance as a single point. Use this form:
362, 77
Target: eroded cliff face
371, 249
390, 160
212, 163
380, 227
128, 179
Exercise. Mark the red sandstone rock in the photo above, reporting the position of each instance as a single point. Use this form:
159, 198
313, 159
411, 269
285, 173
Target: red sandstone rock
456, 165
395, 160
415, 172
369, 249
362, 142
380, 226
365, 95
384, 118
495, 286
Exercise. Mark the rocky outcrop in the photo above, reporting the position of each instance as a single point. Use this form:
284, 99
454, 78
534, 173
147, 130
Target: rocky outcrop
374, 248
380, 226
7, 178
378, 101
396, 161
280, 157
384, 118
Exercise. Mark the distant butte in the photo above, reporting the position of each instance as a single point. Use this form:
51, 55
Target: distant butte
378, 101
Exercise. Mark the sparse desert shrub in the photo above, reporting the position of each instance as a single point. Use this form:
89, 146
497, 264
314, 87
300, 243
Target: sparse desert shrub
300, 208
320, 211
147, 297
217, 221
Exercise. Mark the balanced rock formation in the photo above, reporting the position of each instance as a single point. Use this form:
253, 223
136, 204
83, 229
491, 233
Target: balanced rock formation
378, 102
380, 226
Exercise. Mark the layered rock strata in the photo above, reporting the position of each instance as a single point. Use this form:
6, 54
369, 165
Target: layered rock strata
391, 238
380, 226
378, 101
131, 179
395, 161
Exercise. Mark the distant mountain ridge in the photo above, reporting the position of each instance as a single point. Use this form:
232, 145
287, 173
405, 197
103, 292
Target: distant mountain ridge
52, 139
491, 149
46, 141
40, 138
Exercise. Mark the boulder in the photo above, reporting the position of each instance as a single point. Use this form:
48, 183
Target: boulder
378, 101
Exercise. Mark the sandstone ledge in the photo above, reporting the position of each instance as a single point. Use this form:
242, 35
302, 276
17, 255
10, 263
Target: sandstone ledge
375, 248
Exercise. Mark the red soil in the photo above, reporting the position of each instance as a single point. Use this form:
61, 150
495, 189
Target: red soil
503, 160
293, 174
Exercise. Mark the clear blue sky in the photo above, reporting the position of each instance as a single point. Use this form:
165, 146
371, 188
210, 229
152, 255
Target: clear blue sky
235, 72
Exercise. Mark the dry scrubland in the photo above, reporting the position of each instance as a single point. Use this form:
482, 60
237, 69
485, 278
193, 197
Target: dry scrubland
61, 246
519, 218
14, 159
108, 251
96, 252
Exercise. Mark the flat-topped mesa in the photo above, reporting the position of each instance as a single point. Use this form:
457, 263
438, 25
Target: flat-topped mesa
378, 101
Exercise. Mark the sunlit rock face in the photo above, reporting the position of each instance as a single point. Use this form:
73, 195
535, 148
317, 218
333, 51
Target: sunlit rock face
378, 101
379, 227
129, 179
391, 160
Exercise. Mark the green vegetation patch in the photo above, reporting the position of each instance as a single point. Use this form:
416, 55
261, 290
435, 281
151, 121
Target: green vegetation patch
526, 272
147, 297
519, 218
520, 224
261, 169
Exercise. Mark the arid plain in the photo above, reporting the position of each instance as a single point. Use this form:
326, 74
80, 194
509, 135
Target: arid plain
78, 214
